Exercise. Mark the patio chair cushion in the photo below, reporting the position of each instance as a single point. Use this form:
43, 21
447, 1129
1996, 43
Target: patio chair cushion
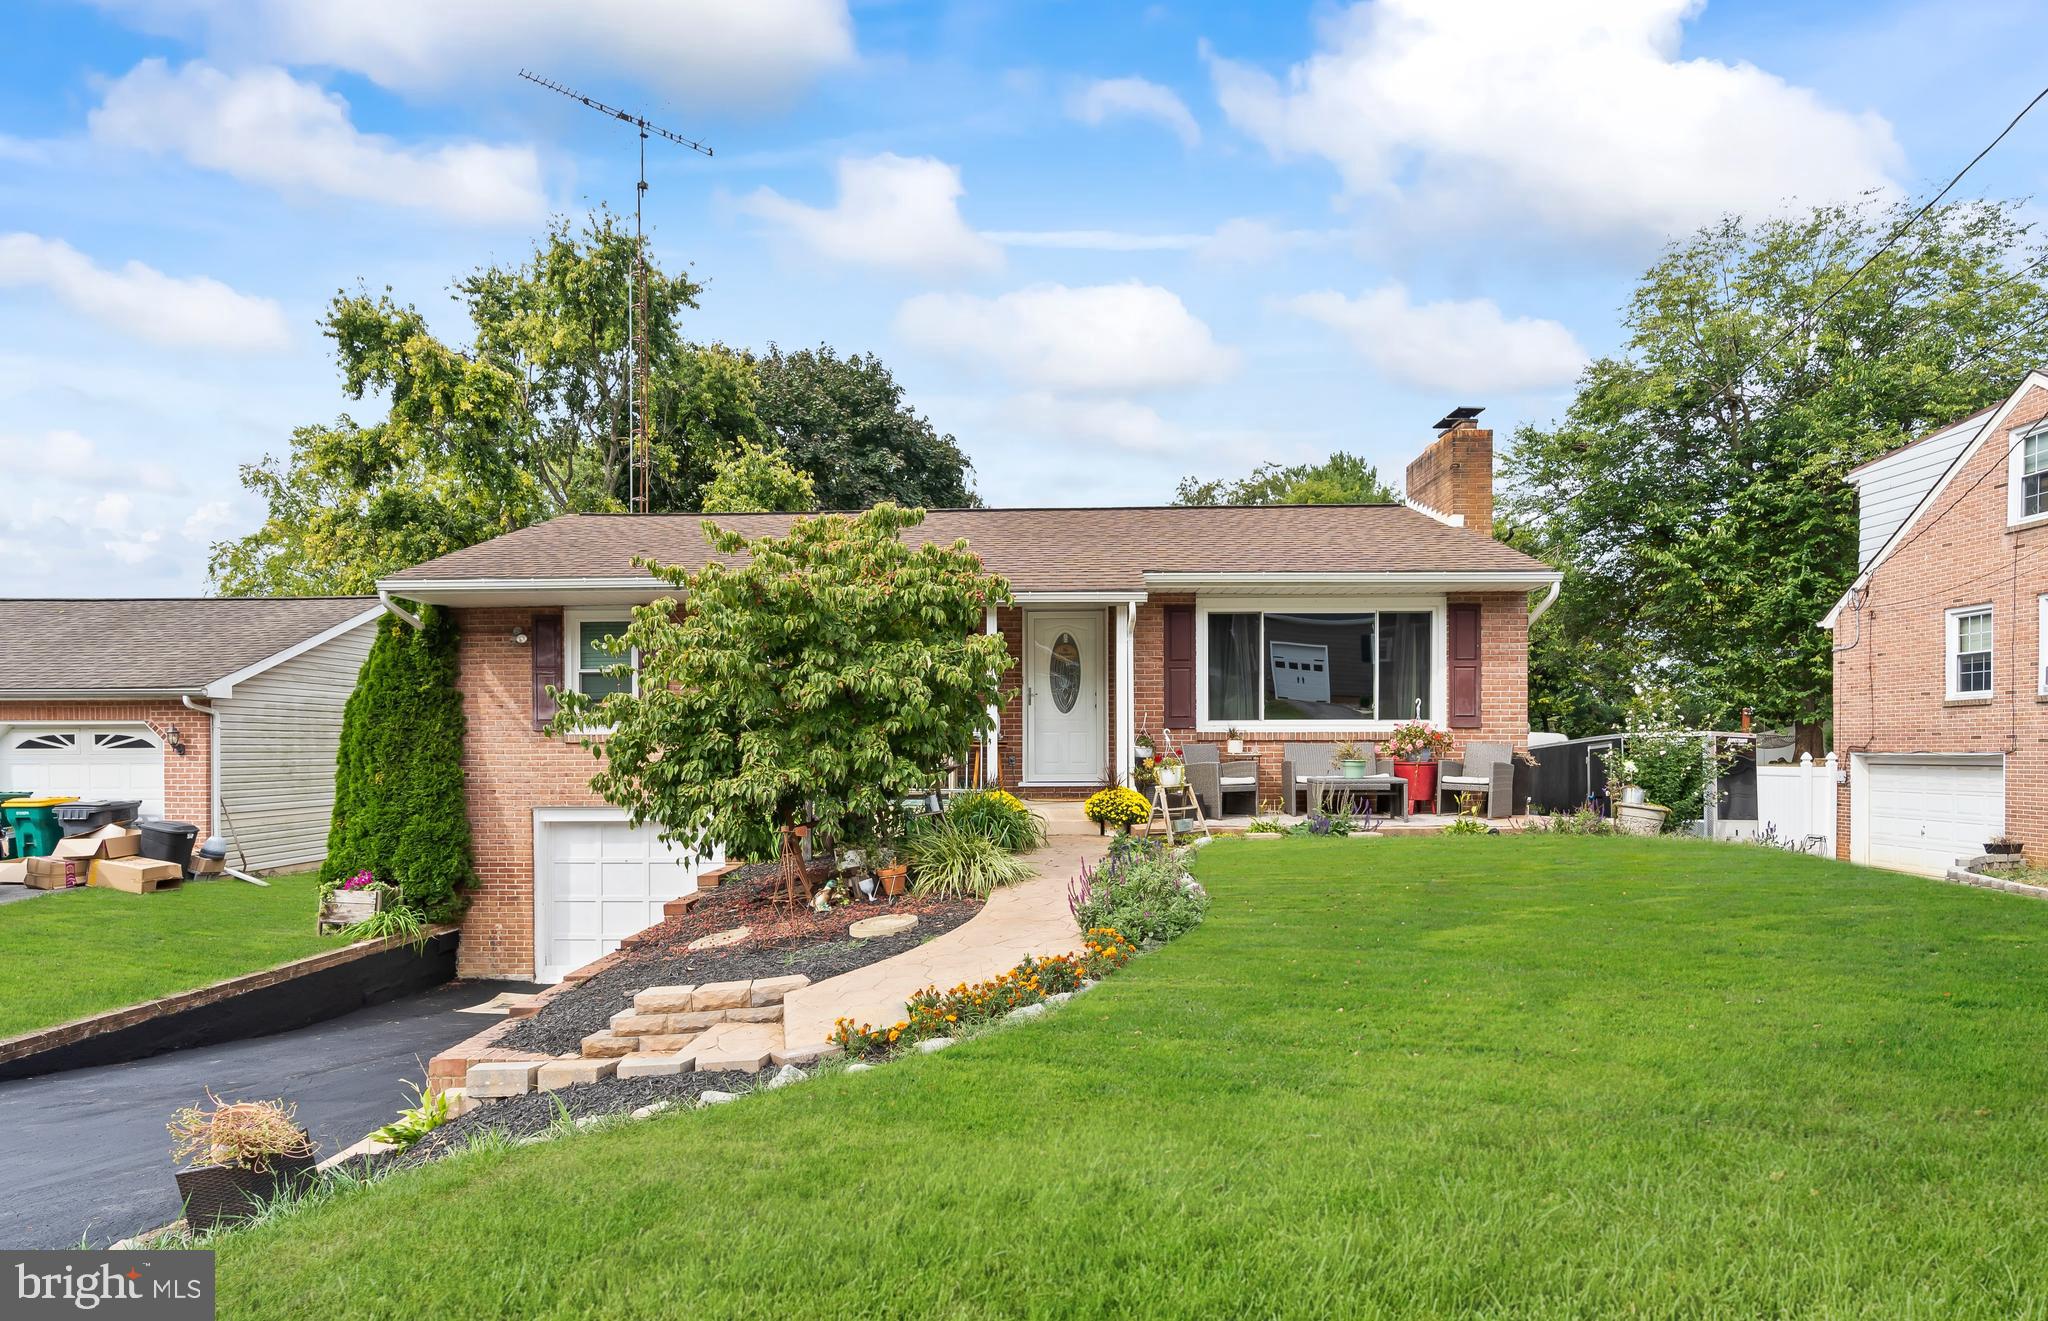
1466, 782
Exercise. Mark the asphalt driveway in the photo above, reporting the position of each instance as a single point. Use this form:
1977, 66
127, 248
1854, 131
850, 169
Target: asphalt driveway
84, 1156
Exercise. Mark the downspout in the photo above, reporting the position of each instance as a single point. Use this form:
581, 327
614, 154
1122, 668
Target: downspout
384, 599
212, 715
1549, 600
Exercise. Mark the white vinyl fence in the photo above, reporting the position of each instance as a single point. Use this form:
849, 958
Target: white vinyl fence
1795, 803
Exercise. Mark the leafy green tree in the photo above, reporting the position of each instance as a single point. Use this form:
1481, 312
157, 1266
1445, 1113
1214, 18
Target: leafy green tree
843, 421
820, 679
752, 480
1341, 479
400, 810
1693, 490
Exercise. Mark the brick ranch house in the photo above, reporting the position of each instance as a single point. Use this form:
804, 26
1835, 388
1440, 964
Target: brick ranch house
1288, 623
1941, 644
222, 711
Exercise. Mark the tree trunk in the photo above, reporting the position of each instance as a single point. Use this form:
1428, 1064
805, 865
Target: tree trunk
1806, 737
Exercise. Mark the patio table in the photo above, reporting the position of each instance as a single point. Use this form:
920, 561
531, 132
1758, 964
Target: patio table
1341, 787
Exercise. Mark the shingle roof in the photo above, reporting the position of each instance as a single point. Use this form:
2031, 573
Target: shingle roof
154, 645
1038, 550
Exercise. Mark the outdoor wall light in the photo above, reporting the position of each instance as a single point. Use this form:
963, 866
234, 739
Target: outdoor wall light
518, 637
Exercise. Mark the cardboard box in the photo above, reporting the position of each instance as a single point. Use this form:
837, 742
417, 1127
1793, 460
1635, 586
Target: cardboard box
57, 873
136, 875
14, 871
208, 866
106, 842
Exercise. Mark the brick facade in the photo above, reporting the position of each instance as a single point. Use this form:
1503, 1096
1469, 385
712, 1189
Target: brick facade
188, 778
1454, 475
1891, 649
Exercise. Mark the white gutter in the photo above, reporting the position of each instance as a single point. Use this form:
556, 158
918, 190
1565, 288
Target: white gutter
1530, 578
399, 610
1549, 600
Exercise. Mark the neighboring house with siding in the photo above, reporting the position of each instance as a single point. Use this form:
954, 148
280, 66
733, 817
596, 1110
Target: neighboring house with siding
225, 712
1940, 690
1290, 623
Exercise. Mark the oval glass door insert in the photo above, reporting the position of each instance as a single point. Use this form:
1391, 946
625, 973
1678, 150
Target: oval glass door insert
1066, 672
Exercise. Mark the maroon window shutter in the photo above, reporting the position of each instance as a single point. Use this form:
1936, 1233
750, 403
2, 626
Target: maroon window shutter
1464, 667
1180, 667
545, 637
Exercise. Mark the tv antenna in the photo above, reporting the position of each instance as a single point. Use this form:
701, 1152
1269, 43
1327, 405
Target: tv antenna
639, 415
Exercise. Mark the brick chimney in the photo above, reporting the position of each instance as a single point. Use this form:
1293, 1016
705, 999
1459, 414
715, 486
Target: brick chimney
1453, 476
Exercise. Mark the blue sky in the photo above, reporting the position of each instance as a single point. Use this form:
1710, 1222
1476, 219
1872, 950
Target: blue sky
1104, 245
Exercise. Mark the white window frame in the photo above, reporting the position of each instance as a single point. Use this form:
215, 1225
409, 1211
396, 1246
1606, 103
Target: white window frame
1439, 657
2015, 474
1952, 632
572, 645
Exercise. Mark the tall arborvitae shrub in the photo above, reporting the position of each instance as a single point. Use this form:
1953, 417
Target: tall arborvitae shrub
399, 808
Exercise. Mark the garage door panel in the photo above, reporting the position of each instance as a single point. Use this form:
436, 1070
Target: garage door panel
86, 761
598, 882
1928, 817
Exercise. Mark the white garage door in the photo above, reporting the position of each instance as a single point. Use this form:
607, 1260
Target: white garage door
88, 761
597, 881
1927, 816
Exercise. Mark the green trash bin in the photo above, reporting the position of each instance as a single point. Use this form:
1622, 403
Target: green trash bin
34, 823
6, 831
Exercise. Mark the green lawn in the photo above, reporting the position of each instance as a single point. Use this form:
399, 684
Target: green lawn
79, 952
1499, 1076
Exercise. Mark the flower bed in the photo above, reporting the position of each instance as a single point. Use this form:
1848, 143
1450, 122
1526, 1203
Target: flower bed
1141, 890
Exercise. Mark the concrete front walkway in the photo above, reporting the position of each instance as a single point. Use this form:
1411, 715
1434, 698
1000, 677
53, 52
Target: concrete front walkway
1030, 917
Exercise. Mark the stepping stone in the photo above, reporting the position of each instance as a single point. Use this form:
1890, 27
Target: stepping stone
721, 995
930, 1044
496, 1078
652, 1066
601, 1045
664, 1000
720, 939
868, 928
738, 1047
573, 1073
633, 1023
771, 990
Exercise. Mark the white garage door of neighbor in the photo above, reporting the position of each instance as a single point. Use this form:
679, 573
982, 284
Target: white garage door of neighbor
1926, 817
597, 881
86, 761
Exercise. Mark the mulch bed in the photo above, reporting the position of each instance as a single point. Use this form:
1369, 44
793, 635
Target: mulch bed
783, 941
525, 1116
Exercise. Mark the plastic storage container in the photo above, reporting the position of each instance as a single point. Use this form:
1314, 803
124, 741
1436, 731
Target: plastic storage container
34, 822
168, 841
85, 816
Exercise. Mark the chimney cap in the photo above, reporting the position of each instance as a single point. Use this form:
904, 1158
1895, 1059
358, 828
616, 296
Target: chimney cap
1459, 417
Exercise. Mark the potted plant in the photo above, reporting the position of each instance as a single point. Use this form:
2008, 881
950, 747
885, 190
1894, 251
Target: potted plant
1347, 755
1171, 770
893, 875
1233, 741
1624, 772
238, 1156
1116, 806
346, 903
1416, 746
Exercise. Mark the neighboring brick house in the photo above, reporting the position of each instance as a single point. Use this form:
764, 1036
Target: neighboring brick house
1941, 691
224, 711
1290, 623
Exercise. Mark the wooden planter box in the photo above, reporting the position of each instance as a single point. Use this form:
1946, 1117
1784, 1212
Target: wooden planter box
345, 908
216, 1195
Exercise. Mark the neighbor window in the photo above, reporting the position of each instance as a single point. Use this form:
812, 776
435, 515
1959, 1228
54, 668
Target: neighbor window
590, 661
1969, 652
1303, 665
2034, 475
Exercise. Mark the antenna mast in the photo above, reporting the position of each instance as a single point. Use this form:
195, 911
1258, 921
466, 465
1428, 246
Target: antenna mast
639, 415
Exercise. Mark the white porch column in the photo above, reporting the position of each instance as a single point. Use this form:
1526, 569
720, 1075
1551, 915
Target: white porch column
1126, 691
993, 771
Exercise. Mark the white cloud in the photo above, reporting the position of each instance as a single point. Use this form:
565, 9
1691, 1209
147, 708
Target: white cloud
1243, 241
1136, 98
1118, 423
708, 52
266, 127
1457, 344
901, 212
1581, 115
1107, 338
190, 311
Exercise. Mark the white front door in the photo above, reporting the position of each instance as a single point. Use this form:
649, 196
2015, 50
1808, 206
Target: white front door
86, 761
1066, 730
1926, 816
596, 881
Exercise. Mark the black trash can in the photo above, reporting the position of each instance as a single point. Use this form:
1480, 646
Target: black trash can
168, 841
